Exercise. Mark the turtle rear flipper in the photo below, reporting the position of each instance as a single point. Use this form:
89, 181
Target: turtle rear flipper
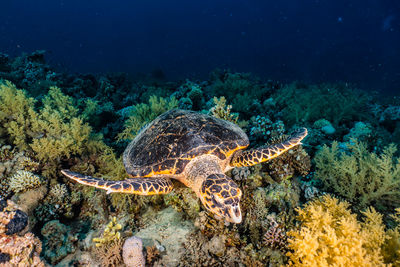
139, 186
255, 156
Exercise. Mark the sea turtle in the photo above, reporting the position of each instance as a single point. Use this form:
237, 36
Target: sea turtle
196, 149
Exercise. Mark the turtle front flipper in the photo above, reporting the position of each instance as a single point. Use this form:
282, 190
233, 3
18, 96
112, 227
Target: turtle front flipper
256, 156
139, 186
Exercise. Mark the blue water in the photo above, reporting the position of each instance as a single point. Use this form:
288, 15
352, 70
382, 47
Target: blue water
314, 41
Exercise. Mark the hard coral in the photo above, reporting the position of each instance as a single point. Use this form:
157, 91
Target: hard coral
263, 128
360, 176
330, 235
275, 237
24, 180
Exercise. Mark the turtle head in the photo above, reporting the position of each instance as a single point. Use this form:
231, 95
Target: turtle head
221, 196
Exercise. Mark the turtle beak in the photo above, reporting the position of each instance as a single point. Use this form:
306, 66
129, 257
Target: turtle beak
235, 215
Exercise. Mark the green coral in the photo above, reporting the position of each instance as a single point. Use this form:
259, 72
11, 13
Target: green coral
144, 113
52, 131
301, 103
361, 177
16, 114
241, 89
24, 180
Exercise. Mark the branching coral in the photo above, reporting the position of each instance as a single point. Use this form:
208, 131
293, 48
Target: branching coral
330, 235
361, 177
111, 233
24, 180
275, 237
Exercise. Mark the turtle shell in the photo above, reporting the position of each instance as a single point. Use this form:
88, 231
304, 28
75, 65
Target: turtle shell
173, 139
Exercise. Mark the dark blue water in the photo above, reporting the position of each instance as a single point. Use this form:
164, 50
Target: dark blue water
314, 41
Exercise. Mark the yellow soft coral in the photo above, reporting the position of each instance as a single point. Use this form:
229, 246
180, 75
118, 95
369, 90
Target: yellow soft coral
111, 234
330, 235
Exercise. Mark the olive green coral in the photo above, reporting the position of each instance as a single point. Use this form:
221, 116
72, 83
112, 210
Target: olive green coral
53, 131
361, 177
144, 113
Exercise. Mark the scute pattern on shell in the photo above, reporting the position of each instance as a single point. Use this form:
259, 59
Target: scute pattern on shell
176, 137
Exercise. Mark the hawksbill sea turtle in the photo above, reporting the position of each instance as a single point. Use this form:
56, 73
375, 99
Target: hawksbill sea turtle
195, 149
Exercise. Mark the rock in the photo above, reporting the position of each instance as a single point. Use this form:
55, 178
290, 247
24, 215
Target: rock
17, 223
216, 246
169, 229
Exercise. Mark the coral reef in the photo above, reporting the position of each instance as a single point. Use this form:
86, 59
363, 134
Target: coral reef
132, 252
17, 249
330, 235
83, 122
308, 103
361, 177
58, 241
